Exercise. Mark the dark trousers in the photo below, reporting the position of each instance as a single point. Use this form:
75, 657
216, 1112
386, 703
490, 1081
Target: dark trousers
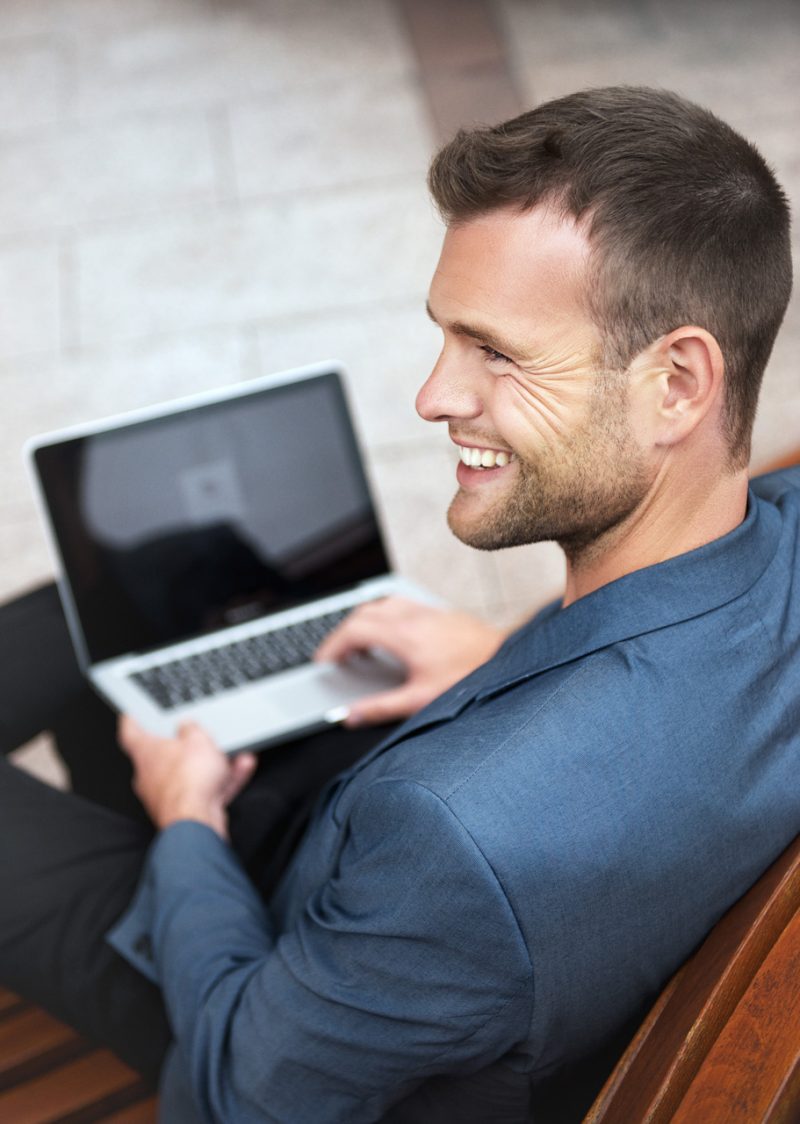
71, 861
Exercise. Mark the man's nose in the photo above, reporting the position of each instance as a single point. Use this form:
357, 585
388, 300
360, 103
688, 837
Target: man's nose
448, 392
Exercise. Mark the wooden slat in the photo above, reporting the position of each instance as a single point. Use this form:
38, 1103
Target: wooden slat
745, 1070
8, 998
66, 1090
10, 1004
660, 1064
145, 1112
785, 1107
27, 1034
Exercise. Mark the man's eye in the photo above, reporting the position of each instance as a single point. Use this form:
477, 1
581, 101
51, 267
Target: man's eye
493, 354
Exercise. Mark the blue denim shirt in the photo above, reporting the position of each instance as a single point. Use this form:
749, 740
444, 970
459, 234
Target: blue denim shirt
516, 869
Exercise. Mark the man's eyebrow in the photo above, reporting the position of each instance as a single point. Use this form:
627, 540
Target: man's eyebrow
476, 332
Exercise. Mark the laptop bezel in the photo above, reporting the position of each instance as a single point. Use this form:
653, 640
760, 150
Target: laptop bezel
154, 412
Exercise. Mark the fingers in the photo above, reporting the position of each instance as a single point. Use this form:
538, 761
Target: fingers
191, 733
133, 738
130, 734
127, 728
355, 634
241, 769
374, 625
244, 764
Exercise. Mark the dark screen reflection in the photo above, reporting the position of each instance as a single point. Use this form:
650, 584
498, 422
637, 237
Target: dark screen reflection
184, 524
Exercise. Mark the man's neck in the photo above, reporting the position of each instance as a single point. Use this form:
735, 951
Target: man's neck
674, 518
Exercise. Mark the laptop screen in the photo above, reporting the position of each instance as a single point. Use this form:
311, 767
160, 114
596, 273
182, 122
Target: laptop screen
214, 515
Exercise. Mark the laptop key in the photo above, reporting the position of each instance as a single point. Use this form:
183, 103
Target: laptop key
208, 673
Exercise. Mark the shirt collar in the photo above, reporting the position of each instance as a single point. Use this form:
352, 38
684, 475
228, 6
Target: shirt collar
655, 597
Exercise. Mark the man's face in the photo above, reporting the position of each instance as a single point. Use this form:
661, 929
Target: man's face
519, 386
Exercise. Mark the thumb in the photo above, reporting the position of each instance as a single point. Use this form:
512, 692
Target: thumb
240, 772
128, 731
243, 766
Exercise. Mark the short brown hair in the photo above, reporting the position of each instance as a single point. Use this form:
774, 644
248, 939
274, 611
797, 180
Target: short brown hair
687, 223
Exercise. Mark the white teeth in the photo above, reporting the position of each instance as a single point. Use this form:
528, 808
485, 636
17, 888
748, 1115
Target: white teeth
483, 458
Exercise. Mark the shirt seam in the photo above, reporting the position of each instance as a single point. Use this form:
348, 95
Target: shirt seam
515, 733
531, 987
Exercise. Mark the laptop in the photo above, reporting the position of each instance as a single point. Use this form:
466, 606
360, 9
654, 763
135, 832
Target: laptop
206, 546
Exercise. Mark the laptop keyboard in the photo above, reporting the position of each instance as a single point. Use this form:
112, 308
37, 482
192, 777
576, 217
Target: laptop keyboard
207, 673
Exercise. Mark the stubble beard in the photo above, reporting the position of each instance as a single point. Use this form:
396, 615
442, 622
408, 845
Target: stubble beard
577, 499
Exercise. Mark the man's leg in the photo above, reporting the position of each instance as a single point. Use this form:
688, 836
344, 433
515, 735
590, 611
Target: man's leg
69, 863
69, 868
43, 688
39, 673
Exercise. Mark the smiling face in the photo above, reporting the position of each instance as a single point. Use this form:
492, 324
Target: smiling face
520, 386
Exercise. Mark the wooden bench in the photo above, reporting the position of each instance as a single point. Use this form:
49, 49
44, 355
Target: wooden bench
722, 1044
49, 1074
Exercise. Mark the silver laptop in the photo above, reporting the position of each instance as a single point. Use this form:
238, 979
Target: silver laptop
206, 546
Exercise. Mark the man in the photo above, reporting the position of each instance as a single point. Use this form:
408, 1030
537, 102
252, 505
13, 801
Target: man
504, 882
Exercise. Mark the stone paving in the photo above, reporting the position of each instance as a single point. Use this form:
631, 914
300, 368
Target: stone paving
195, 192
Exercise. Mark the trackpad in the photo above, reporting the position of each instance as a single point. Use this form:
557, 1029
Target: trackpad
323, 687
282, 706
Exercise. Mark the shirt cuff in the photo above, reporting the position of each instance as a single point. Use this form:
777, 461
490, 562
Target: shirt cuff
176, 855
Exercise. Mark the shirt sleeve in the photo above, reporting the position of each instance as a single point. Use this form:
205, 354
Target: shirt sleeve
407, 962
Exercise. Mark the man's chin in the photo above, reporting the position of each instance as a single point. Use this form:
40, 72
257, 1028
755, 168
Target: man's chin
462, 526
498, 526
475, 529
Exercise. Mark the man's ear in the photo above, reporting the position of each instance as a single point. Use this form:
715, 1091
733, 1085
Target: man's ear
689, 371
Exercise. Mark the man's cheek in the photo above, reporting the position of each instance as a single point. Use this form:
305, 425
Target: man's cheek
545, 412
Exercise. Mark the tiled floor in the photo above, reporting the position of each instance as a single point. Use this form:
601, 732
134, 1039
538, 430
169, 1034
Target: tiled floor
199, 191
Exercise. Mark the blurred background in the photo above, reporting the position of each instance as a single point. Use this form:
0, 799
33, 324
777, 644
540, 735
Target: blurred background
196, 192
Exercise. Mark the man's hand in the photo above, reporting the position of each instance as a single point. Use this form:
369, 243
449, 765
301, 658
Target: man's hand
186, 777
437, 646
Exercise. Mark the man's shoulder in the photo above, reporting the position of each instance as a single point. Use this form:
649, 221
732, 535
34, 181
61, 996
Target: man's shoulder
622, 736
628, 708
640, 690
